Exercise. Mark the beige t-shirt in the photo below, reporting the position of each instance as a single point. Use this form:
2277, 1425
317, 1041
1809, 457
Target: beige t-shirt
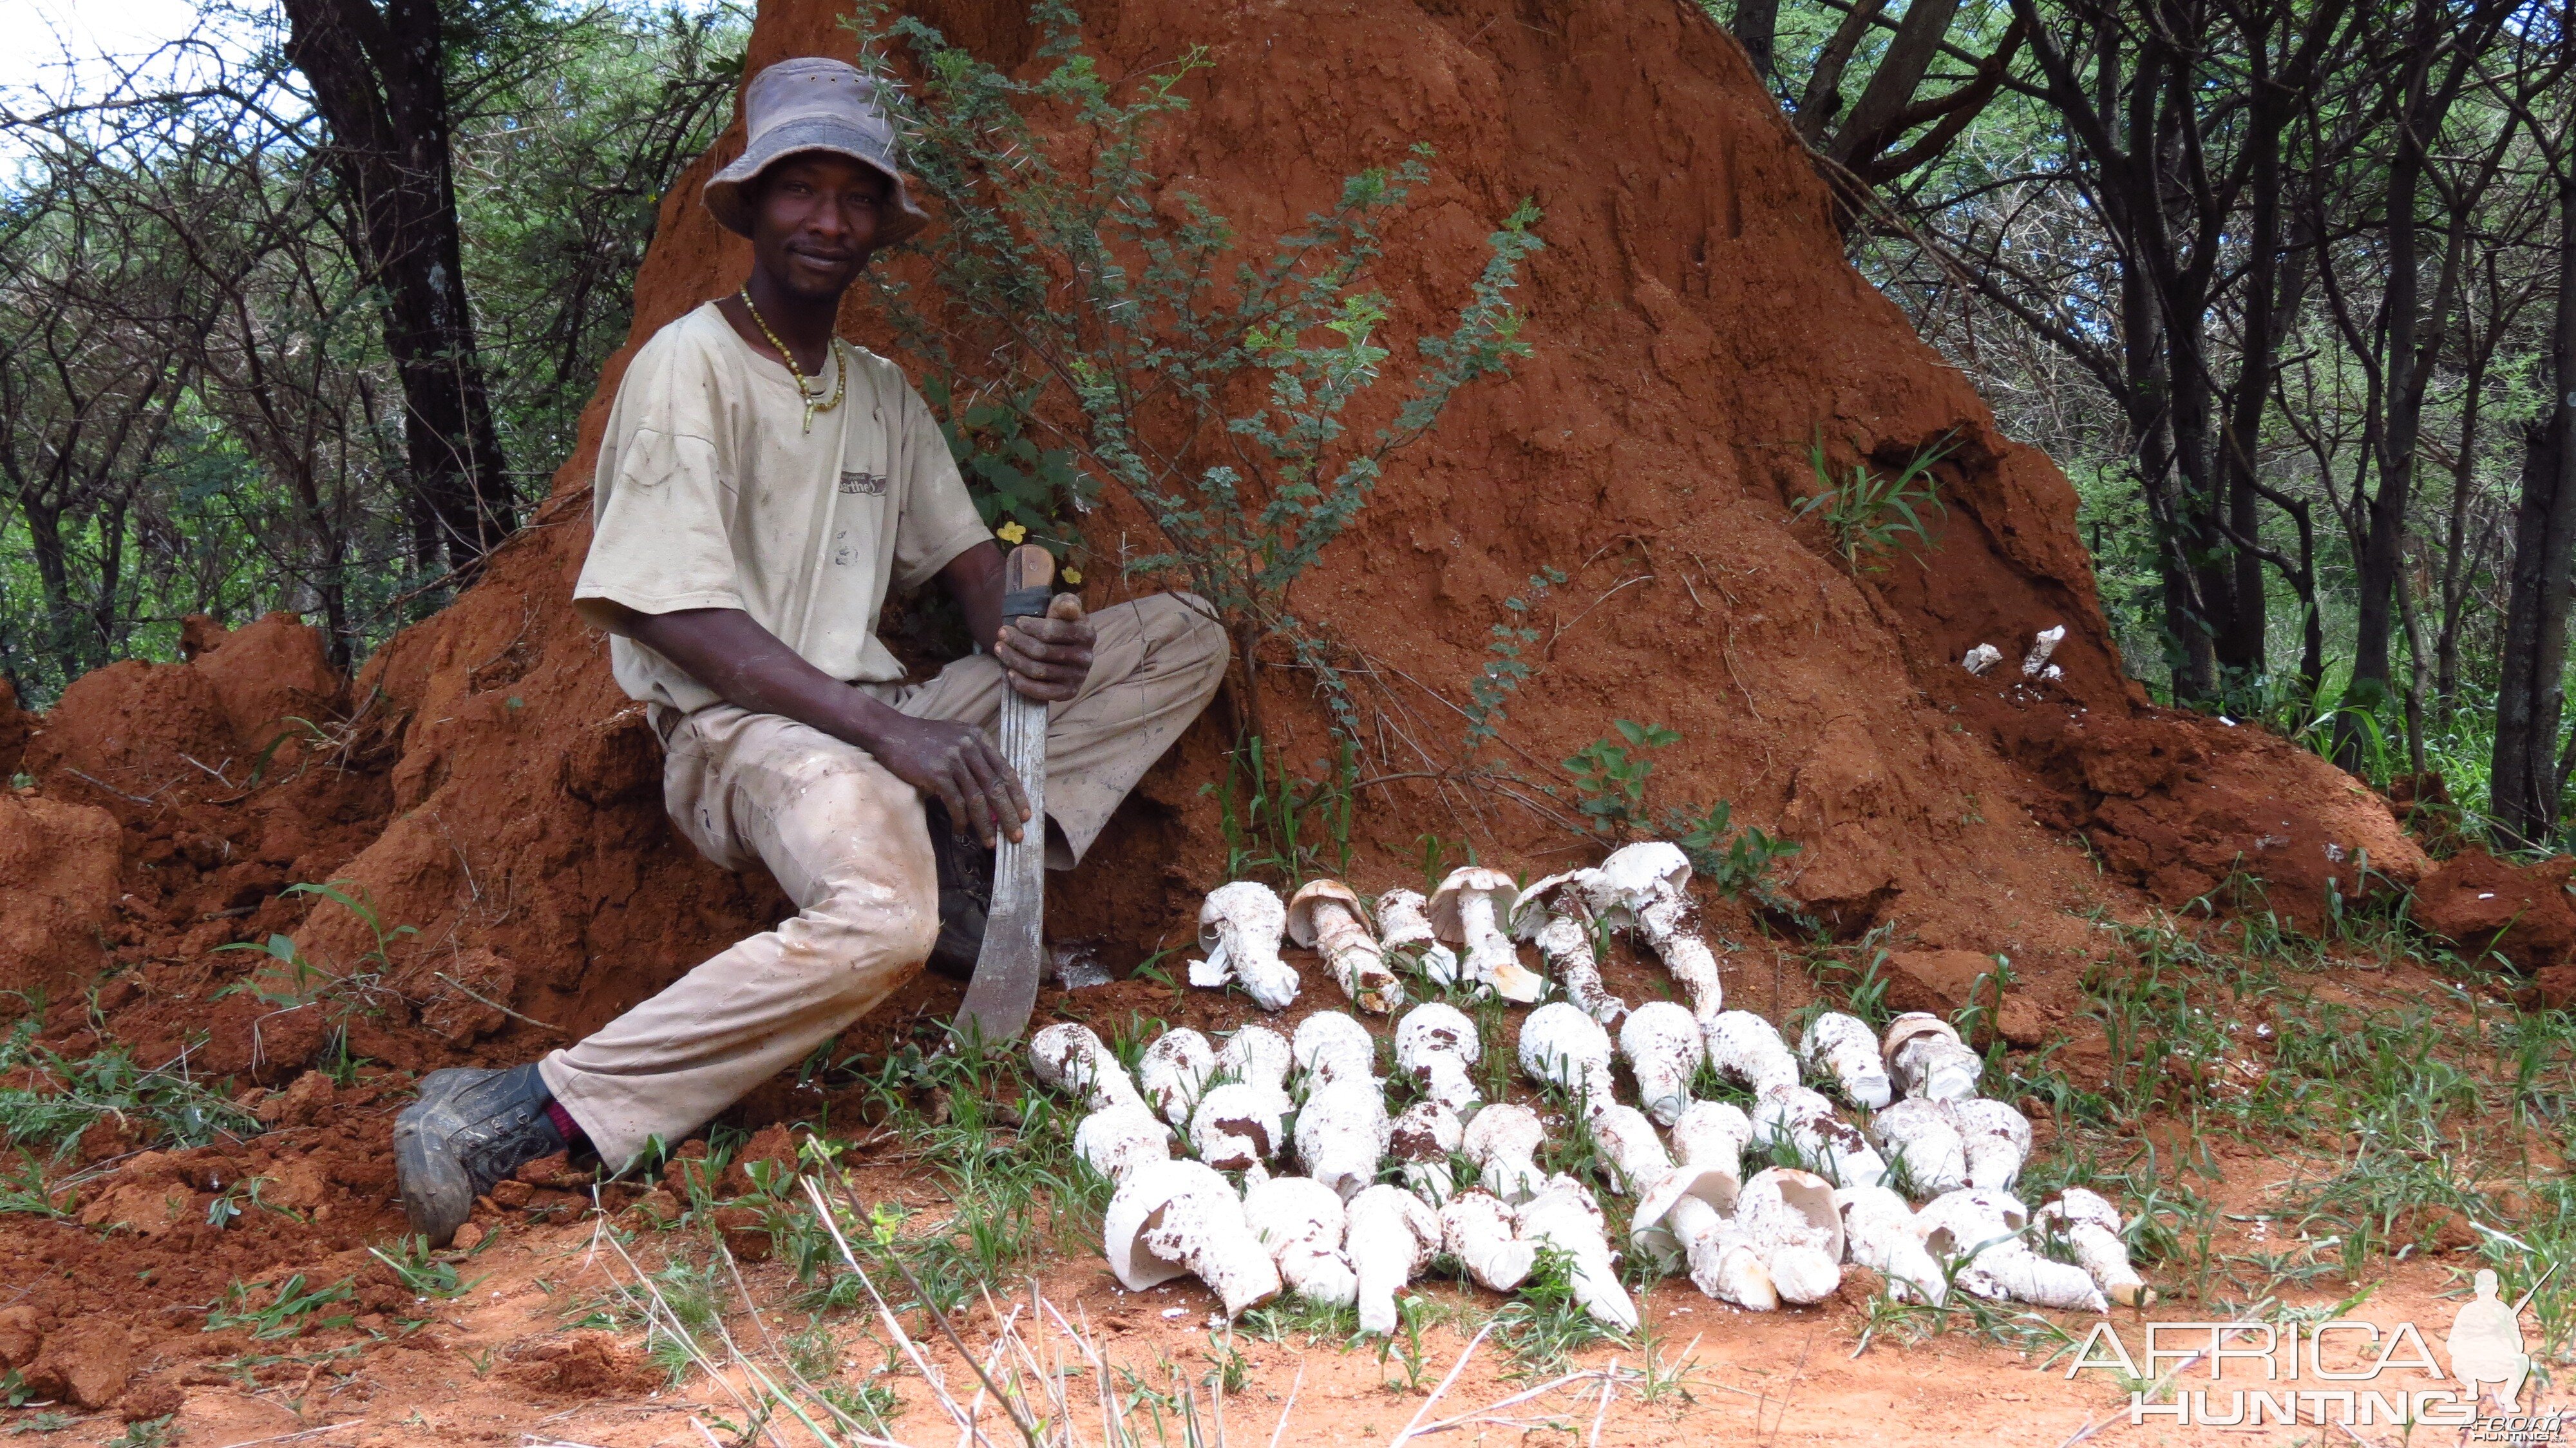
710, 494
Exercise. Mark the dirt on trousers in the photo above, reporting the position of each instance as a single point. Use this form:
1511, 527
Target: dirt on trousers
489, 802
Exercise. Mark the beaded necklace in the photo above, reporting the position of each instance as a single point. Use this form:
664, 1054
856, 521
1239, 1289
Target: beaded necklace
814, 402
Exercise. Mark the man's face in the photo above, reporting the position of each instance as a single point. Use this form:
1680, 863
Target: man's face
814, 222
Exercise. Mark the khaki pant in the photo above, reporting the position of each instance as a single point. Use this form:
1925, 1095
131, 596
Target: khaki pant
846, 840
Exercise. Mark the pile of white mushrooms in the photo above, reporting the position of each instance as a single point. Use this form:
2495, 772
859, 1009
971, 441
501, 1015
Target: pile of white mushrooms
1344, 1204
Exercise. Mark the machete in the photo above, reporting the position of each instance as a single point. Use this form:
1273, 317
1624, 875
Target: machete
1005, 987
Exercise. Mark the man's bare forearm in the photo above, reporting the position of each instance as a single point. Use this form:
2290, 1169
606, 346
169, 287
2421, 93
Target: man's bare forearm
749, 667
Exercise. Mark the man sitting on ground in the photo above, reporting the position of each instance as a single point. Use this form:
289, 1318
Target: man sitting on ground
760, 486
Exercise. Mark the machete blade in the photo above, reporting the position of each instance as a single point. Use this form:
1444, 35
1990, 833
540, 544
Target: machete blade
1005, 988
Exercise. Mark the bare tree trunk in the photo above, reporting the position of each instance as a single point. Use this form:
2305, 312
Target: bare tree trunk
1757, 26
2527, 777
379, 80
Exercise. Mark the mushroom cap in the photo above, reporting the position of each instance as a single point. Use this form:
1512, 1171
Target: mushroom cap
1909, 1025
1713, 1133
1662, 1028
2078, 1206
1864, 1207
1568, 892
1301, 907
1175, 1068
1426, 1131
1286, 1210
1985, 1114
1237, 1112
1334, 1046
1505, 1128
1558, 1036
1635, 875
1249, 905
1830, 1029
1464, 881
1435, 1028
1793, 1198
1115, 1140
1145, 1192
1257, 1054
1955, 1223
1062, 1054
1714, 1185
1383, 1206
1398, 910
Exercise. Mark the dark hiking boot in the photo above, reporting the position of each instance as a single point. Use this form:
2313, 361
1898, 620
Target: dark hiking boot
965, 896
468, 1130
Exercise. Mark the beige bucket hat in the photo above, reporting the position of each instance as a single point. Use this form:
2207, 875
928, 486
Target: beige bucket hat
812, 104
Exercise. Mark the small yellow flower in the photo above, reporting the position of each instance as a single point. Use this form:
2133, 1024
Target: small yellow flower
1011, 532
1073, 575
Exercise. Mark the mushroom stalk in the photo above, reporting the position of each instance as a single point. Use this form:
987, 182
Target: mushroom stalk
1341, 1134
1301, 1222
1627, 1144
1115, 1140
1175, 1069
1553, 916
1400, 915
1325, 915
1878, 1233
2091, 1227
1469, 908
1070, 1059
1389, 1241
1239, 928
1560, 1046
1565, 1217
1790, 1219
1503, 1141
1478, 1229
1686, 1204
1435, 1044
1663, 1046
1176, 1217
1421, 1141
1848, 1048
1980, 1231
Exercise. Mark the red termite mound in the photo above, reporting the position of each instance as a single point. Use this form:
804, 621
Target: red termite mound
1695, 326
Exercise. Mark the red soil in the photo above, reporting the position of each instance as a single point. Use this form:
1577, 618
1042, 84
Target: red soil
483, 782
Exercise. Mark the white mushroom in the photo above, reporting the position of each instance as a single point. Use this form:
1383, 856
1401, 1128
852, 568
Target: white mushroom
1070, 1059
1926, 1058
1564, 1216
2091, 1227
1342, 1132
1478, 1229
1747, 1050
1847, 1048
1174, 1070
1257, 1056
1663, 1046
1469, 909
1402, 925
1627, 1144
1805, 1120
1560, 1046
1713, 1135
1300, 1221
1236, 1128
1115, 1140
1435, 1044
1389, 1241
1555, 915
1330, 1046
1325, 915
1503, 1141
1175, 1217
1919, 1134
1239, 928
2042, 644
1982, 658
1790, 1219
1421, 1141
1647, 885
1878, 1233
1995, 1138
1979, 1232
